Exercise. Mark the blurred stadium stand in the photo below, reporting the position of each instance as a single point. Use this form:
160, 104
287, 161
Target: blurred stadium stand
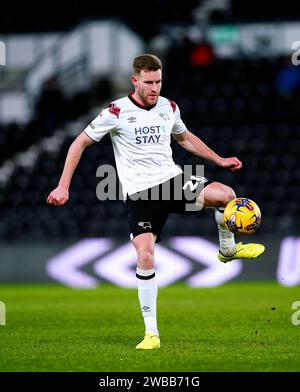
234, 104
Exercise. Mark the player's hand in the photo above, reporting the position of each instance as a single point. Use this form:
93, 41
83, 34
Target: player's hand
59, 196
232, 163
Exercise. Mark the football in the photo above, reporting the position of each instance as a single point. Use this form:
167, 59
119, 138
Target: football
242, 216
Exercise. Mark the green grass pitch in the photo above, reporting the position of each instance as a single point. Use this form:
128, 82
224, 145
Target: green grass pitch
235, 327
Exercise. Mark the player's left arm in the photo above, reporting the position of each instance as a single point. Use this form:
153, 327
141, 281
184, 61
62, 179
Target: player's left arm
196, 146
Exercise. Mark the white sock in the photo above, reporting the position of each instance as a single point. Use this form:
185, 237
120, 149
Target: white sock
147, 292
226, 238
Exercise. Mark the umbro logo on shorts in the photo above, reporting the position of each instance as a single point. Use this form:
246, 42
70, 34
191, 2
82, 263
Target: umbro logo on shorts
145, 225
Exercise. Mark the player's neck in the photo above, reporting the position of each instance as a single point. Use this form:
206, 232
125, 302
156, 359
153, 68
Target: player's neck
136, 98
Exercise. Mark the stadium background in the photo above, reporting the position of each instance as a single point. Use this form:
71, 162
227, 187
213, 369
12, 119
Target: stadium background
228, 68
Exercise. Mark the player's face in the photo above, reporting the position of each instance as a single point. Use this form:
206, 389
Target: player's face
147, 86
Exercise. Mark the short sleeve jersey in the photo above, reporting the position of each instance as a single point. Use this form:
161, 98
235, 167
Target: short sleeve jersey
141, 139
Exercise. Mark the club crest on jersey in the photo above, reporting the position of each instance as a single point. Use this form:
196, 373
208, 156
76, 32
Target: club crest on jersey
165, 116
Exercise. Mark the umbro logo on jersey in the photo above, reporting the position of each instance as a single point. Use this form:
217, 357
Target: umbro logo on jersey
144, 225
164, 116
131, 119
92, 125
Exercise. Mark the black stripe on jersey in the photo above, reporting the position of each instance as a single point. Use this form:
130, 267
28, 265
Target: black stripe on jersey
145, 277
139, 105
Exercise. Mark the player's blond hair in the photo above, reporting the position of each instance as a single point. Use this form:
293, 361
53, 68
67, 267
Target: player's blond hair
146, 62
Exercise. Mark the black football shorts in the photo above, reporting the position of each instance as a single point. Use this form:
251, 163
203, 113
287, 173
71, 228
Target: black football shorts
148, 210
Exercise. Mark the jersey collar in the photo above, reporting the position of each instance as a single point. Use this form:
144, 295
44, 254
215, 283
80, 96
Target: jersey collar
138, 104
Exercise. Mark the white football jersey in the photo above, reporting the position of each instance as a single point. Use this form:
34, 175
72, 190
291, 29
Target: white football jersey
141, 140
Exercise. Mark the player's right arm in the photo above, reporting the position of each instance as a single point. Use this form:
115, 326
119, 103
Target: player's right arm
60, 195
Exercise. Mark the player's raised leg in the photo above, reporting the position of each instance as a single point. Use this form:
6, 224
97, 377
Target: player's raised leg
218, 195
147, 288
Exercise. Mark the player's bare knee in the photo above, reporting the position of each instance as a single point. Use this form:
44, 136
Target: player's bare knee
228, 194
145, 259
